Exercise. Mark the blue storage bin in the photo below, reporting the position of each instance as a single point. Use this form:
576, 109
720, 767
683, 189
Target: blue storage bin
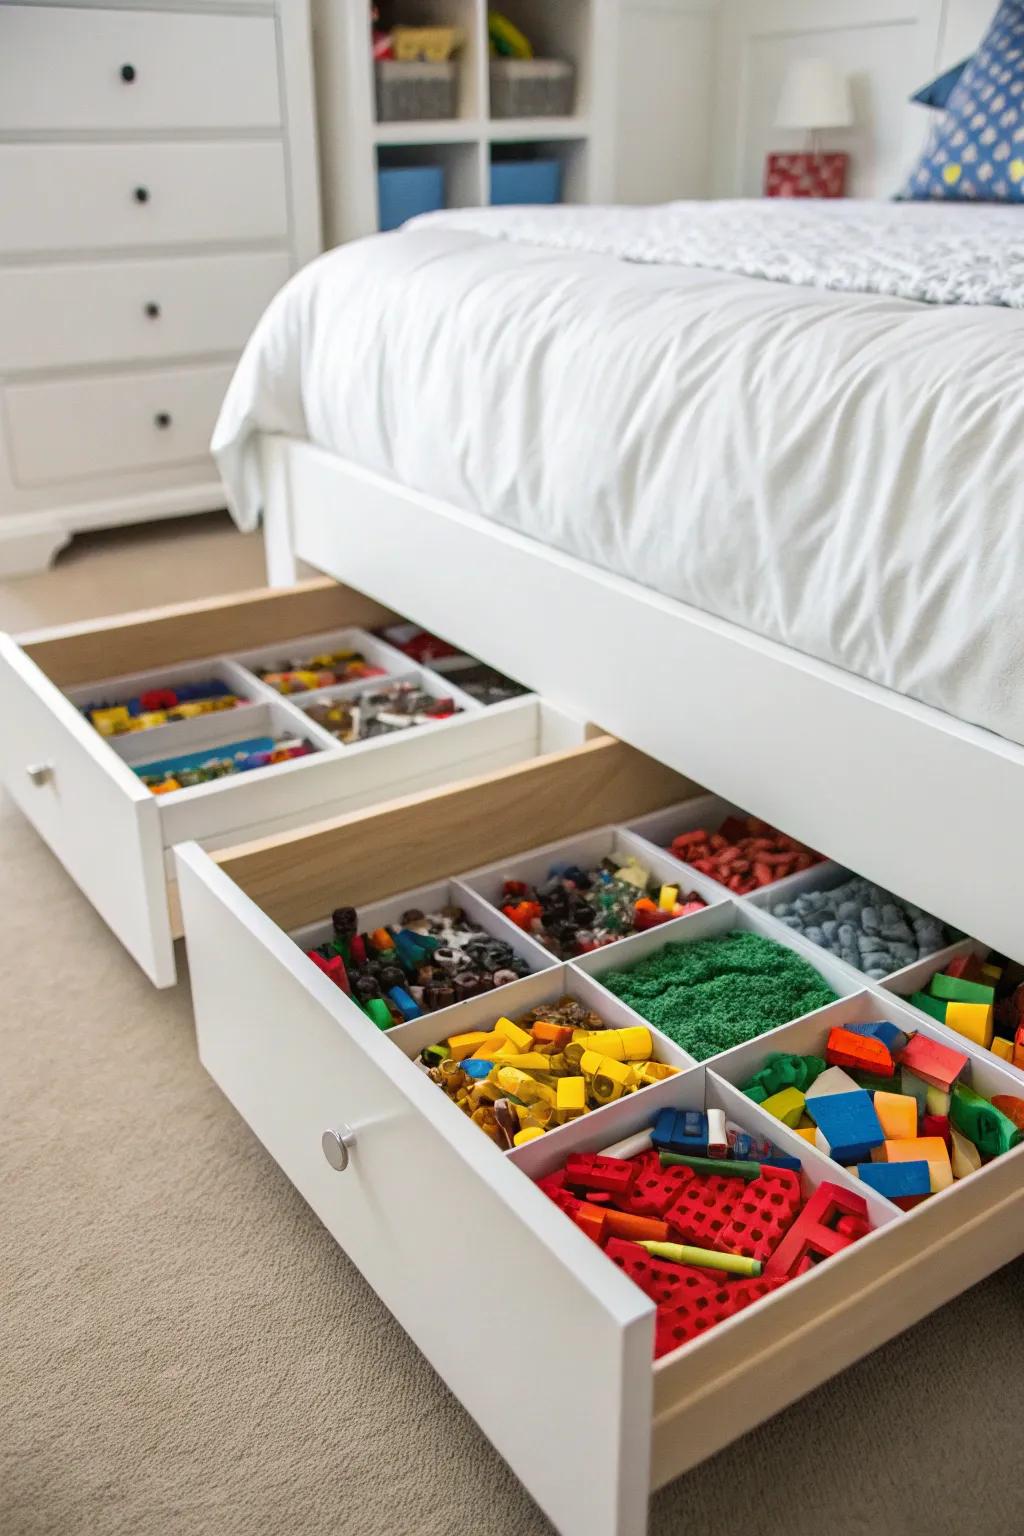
526, 181
404, 191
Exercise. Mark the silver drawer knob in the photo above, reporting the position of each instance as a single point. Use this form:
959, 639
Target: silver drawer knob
335, 1145
40, 773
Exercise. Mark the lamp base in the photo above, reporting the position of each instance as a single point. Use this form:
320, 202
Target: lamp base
805, 175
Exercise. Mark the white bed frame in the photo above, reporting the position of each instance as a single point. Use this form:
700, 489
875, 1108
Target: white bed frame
913, 798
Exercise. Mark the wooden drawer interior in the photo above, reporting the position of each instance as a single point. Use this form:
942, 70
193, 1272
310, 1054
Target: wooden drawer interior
164, 637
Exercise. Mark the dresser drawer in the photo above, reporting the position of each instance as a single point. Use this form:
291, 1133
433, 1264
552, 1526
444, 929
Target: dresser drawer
66, 197
73, 427
74, 316
65, 68
114, 836
454, 1235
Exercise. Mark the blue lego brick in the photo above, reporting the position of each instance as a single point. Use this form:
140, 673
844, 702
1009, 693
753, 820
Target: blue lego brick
896, 1180
680, 1130
777, 1160
848, 1123
891, 1036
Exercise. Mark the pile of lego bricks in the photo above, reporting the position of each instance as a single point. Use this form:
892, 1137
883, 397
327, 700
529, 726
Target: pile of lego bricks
703, 1237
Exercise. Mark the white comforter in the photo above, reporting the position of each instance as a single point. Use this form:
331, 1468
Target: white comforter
842, 471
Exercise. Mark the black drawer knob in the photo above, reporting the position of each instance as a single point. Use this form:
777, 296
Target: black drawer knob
141, 194
162, 419
152, 311
127, 73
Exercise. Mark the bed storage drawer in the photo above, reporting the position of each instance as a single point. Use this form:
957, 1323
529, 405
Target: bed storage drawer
114, 835
393, 1168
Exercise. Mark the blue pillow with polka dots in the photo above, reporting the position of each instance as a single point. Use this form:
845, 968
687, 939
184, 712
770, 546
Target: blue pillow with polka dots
976, 151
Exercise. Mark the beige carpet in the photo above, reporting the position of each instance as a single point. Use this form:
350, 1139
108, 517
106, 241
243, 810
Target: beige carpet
185, 1352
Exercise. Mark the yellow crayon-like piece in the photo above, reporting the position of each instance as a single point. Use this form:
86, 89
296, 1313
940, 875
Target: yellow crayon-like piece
527, 1134
667, 897
707, 1258
634, 1043
520, 1038
524, 1060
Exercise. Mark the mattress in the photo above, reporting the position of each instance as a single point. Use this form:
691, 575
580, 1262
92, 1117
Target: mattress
792, 443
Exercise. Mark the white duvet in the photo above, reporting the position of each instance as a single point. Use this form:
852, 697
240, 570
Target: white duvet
840, 470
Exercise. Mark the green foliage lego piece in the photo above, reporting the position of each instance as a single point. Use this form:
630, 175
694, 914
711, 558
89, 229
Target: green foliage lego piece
991, 1131
712, 994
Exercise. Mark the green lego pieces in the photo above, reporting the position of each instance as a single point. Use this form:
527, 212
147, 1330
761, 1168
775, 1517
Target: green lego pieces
956, 990
991, 1131
936, 1006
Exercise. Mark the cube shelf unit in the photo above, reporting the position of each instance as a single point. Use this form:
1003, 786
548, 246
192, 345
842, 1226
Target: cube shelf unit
356, 144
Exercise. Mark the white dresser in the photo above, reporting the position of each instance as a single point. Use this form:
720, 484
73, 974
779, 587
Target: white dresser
158, 183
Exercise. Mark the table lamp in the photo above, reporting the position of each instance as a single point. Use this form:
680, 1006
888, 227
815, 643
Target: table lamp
815, 95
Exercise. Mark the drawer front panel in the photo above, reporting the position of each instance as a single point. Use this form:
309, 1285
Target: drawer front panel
133, 311
294, 1064
60, 197
101, 425
82, 802
66, 69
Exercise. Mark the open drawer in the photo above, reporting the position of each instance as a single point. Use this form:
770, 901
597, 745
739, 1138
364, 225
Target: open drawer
83, 791
453, 1233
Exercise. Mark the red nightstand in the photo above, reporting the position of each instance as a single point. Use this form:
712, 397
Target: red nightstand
806, 175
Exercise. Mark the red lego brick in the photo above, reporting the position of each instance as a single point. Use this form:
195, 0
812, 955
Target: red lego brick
964, 968
613, 1175
863, 1052
591, 1219
762, 1215
937, 1064
703, 1208
656, 1188
663, 1281
936, 1125
813, 1235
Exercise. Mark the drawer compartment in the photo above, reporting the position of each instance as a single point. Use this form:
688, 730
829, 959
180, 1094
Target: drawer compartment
69, 197
114, 836
134, 70
99, 425
324, 1090
76, 316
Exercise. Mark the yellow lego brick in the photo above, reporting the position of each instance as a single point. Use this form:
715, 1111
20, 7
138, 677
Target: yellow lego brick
650, 1072
937, 1101
109, 721
631, 1044
489, 1046
462, 1046
1002, 1048
520, 1038
808, 1132
524, 1060
972, 1020
522, 1086
787, 1106
571, 1098
667, 897
897, 1113
527, 1134
991, 974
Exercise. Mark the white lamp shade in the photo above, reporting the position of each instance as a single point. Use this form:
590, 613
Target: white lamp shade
815, 94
